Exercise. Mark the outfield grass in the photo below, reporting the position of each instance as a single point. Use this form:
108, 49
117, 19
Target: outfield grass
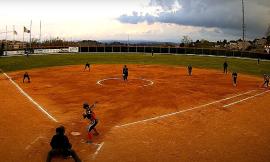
240, 65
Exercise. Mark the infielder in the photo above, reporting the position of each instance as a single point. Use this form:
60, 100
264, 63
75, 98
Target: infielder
87, 65
189, 70
26, 76
266, 80
125, 72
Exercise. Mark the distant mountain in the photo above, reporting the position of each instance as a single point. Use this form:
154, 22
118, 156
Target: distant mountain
136, 42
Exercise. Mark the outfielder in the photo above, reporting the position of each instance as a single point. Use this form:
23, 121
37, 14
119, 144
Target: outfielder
225, 67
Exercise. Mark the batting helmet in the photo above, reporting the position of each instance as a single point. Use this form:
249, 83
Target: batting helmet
85, 105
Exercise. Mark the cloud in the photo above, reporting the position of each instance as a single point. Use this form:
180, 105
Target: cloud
166, 5
224, 15
136, 18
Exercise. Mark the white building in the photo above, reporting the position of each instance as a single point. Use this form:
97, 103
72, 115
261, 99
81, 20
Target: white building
260, 42
267, 48
243, 45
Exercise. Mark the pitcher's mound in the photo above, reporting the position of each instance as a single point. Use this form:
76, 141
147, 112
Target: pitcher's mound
136, 82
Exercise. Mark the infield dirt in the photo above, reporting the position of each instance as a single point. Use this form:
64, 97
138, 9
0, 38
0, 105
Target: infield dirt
213, 133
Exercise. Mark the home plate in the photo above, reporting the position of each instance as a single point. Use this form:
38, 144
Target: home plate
75, 133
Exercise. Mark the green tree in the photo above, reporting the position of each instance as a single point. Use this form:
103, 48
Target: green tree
186, 40
267, 34
268, 39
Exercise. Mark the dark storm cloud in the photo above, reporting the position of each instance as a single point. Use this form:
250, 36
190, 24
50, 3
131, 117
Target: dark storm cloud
223, 14
167, 5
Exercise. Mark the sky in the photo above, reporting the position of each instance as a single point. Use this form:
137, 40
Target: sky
153, 20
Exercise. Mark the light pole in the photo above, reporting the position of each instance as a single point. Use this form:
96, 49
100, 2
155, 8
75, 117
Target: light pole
243, 24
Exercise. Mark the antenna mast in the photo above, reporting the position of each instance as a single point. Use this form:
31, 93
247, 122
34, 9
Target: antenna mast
40, 31
243, 22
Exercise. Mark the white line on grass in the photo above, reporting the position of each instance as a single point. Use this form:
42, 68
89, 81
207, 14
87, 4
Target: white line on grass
236, 102
182, 111
98, 149
31, 99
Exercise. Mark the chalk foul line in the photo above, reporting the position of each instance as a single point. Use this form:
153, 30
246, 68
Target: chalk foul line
98, 149
30, 99
183, 111
28, 146
239, 101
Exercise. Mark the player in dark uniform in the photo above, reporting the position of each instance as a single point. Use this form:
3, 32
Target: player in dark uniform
87, 65
61, 146
189, 70
152, 53
234, 76
89, 114
266, 80
26, 76
225, 67
125, 72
